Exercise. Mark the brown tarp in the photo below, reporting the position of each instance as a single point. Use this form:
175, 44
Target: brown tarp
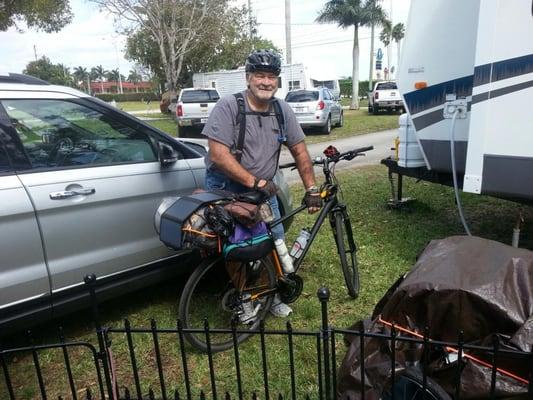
481, 287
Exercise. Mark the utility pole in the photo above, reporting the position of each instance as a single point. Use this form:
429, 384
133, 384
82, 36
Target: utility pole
35, 52
288, 31
250, 21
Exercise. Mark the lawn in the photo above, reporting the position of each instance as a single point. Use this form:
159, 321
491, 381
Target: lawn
138, 105
389, 241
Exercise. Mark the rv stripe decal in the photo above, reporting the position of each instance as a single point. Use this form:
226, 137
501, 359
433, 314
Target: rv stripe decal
500, 92
433, 117
435, 95
505, 69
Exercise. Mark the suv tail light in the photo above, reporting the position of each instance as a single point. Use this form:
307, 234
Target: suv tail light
179, 110
376, 95
320, 105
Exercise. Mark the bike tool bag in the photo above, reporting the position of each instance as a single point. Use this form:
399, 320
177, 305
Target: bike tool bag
248, 243
178, 215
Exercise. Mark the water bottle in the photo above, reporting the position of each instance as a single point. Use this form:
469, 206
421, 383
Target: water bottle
284, 258
300, 243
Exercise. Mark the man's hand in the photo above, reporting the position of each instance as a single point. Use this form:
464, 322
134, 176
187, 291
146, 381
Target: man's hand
268, 188
312, 200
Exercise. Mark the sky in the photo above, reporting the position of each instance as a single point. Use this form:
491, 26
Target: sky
90, 40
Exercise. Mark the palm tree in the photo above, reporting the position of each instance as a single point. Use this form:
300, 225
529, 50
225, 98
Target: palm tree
113, 75
385, 37
348, 13
134, 76
398, 32
99, 74
81, 74
375, 16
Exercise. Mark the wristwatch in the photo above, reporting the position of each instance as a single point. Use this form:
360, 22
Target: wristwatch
312, 189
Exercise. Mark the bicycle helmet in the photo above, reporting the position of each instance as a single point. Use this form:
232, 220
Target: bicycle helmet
263, 60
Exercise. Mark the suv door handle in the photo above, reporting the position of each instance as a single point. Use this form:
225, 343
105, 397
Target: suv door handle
65, 194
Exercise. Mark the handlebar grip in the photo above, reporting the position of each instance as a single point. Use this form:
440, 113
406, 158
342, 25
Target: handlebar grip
363, 149
288, 165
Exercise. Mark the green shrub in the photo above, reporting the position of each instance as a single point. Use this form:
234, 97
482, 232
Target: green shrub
145, 96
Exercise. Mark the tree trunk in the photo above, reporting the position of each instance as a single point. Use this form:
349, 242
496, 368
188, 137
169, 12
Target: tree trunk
371, 68
398, 59
355, 70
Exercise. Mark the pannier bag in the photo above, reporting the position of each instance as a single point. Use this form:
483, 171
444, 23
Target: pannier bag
248, 244
178, 222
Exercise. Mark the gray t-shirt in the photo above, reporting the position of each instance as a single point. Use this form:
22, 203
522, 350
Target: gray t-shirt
261, 145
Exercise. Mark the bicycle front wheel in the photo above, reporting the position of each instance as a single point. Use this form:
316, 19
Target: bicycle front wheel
347, 252
226, 293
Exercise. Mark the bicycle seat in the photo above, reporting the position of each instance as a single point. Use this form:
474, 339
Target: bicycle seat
254, 197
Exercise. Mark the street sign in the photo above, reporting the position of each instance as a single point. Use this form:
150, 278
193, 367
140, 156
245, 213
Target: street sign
379, 55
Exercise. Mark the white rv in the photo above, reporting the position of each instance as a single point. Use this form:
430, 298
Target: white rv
466, 76
292, 76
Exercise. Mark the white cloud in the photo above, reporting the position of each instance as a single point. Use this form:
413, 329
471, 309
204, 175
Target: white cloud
87, 41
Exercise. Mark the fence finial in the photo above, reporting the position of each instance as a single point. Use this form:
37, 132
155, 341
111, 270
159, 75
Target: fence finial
323, 294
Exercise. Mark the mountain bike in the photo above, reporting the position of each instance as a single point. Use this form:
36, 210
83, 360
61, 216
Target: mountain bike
218, 291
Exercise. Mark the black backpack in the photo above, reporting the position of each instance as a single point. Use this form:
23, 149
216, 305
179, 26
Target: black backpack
241, 121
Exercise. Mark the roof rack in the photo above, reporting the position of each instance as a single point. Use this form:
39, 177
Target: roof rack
21, 78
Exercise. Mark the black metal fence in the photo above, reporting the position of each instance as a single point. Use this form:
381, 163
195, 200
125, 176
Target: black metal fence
170, 370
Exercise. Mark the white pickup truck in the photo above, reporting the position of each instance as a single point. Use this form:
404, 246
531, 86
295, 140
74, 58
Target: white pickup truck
385, 96
195, 105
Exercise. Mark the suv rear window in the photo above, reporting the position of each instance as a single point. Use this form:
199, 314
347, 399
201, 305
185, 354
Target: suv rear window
386, 86
199, 96
302, 95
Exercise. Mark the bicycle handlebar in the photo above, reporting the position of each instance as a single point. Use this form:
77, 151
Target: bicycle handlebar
347, 155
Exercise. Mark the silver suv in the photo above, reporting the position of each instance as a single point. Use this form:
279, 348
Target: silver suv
316, 108
80, 182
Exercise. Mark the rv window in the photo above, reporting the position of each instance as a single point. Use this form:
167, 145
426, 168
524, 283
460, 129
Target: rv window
294, 85
199, 96
386, 86
279, 82
302, 95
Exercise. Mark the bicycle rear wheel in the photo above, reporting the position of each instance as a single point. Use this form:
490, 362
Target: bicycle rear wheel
347, 252
217, 291
409, 385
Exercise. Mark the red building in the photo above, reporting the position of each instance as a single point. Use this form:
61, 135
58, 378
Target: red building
113, 87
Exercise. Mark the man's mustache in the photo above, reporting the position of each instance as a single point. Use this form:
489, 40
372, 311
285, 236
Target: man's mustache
263, 87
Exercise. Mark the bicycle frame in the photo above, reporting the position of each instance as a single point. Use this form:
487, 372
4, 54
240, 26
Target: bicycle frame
331, 204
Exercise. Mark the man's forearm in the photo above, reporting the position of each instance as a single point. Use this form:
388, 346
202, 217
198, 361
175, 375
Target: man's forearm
303, 164
226, 162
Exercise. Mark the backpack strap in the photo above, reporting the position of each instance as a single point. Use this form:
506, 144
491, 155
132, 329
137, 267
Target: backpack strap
241, 121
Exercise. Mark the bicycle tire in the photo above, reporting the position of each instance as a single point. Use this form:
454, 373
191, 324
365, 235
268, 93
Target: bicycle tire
347, 250
408, 385
210, 294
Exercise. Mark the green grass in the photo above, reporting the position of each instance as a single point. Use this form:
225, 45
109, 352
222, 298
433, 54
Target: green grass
356, 122
137, 105
389, 242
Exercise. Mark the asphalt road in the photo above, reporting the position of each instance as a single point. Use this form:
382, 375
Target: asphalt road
382, 142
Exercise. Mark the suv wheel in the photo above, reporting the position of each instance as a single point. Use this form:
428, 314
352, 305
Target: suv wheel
375, 109
327, 128
341, 120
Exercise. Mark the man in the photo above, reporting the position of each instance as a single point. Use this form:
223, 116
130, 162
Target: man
252, 166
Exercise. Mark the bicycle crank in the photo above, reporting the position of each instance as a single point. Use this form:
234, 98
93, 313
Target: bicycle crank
290, 288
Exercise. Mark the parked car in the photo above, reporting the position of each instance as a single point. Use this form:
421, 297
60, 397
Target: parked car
80, 182
194, 106
385, 96
316, 108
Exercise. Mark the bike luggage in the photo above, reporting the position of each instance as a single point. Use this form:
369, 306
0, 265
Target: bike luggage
248, 244
181, 214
